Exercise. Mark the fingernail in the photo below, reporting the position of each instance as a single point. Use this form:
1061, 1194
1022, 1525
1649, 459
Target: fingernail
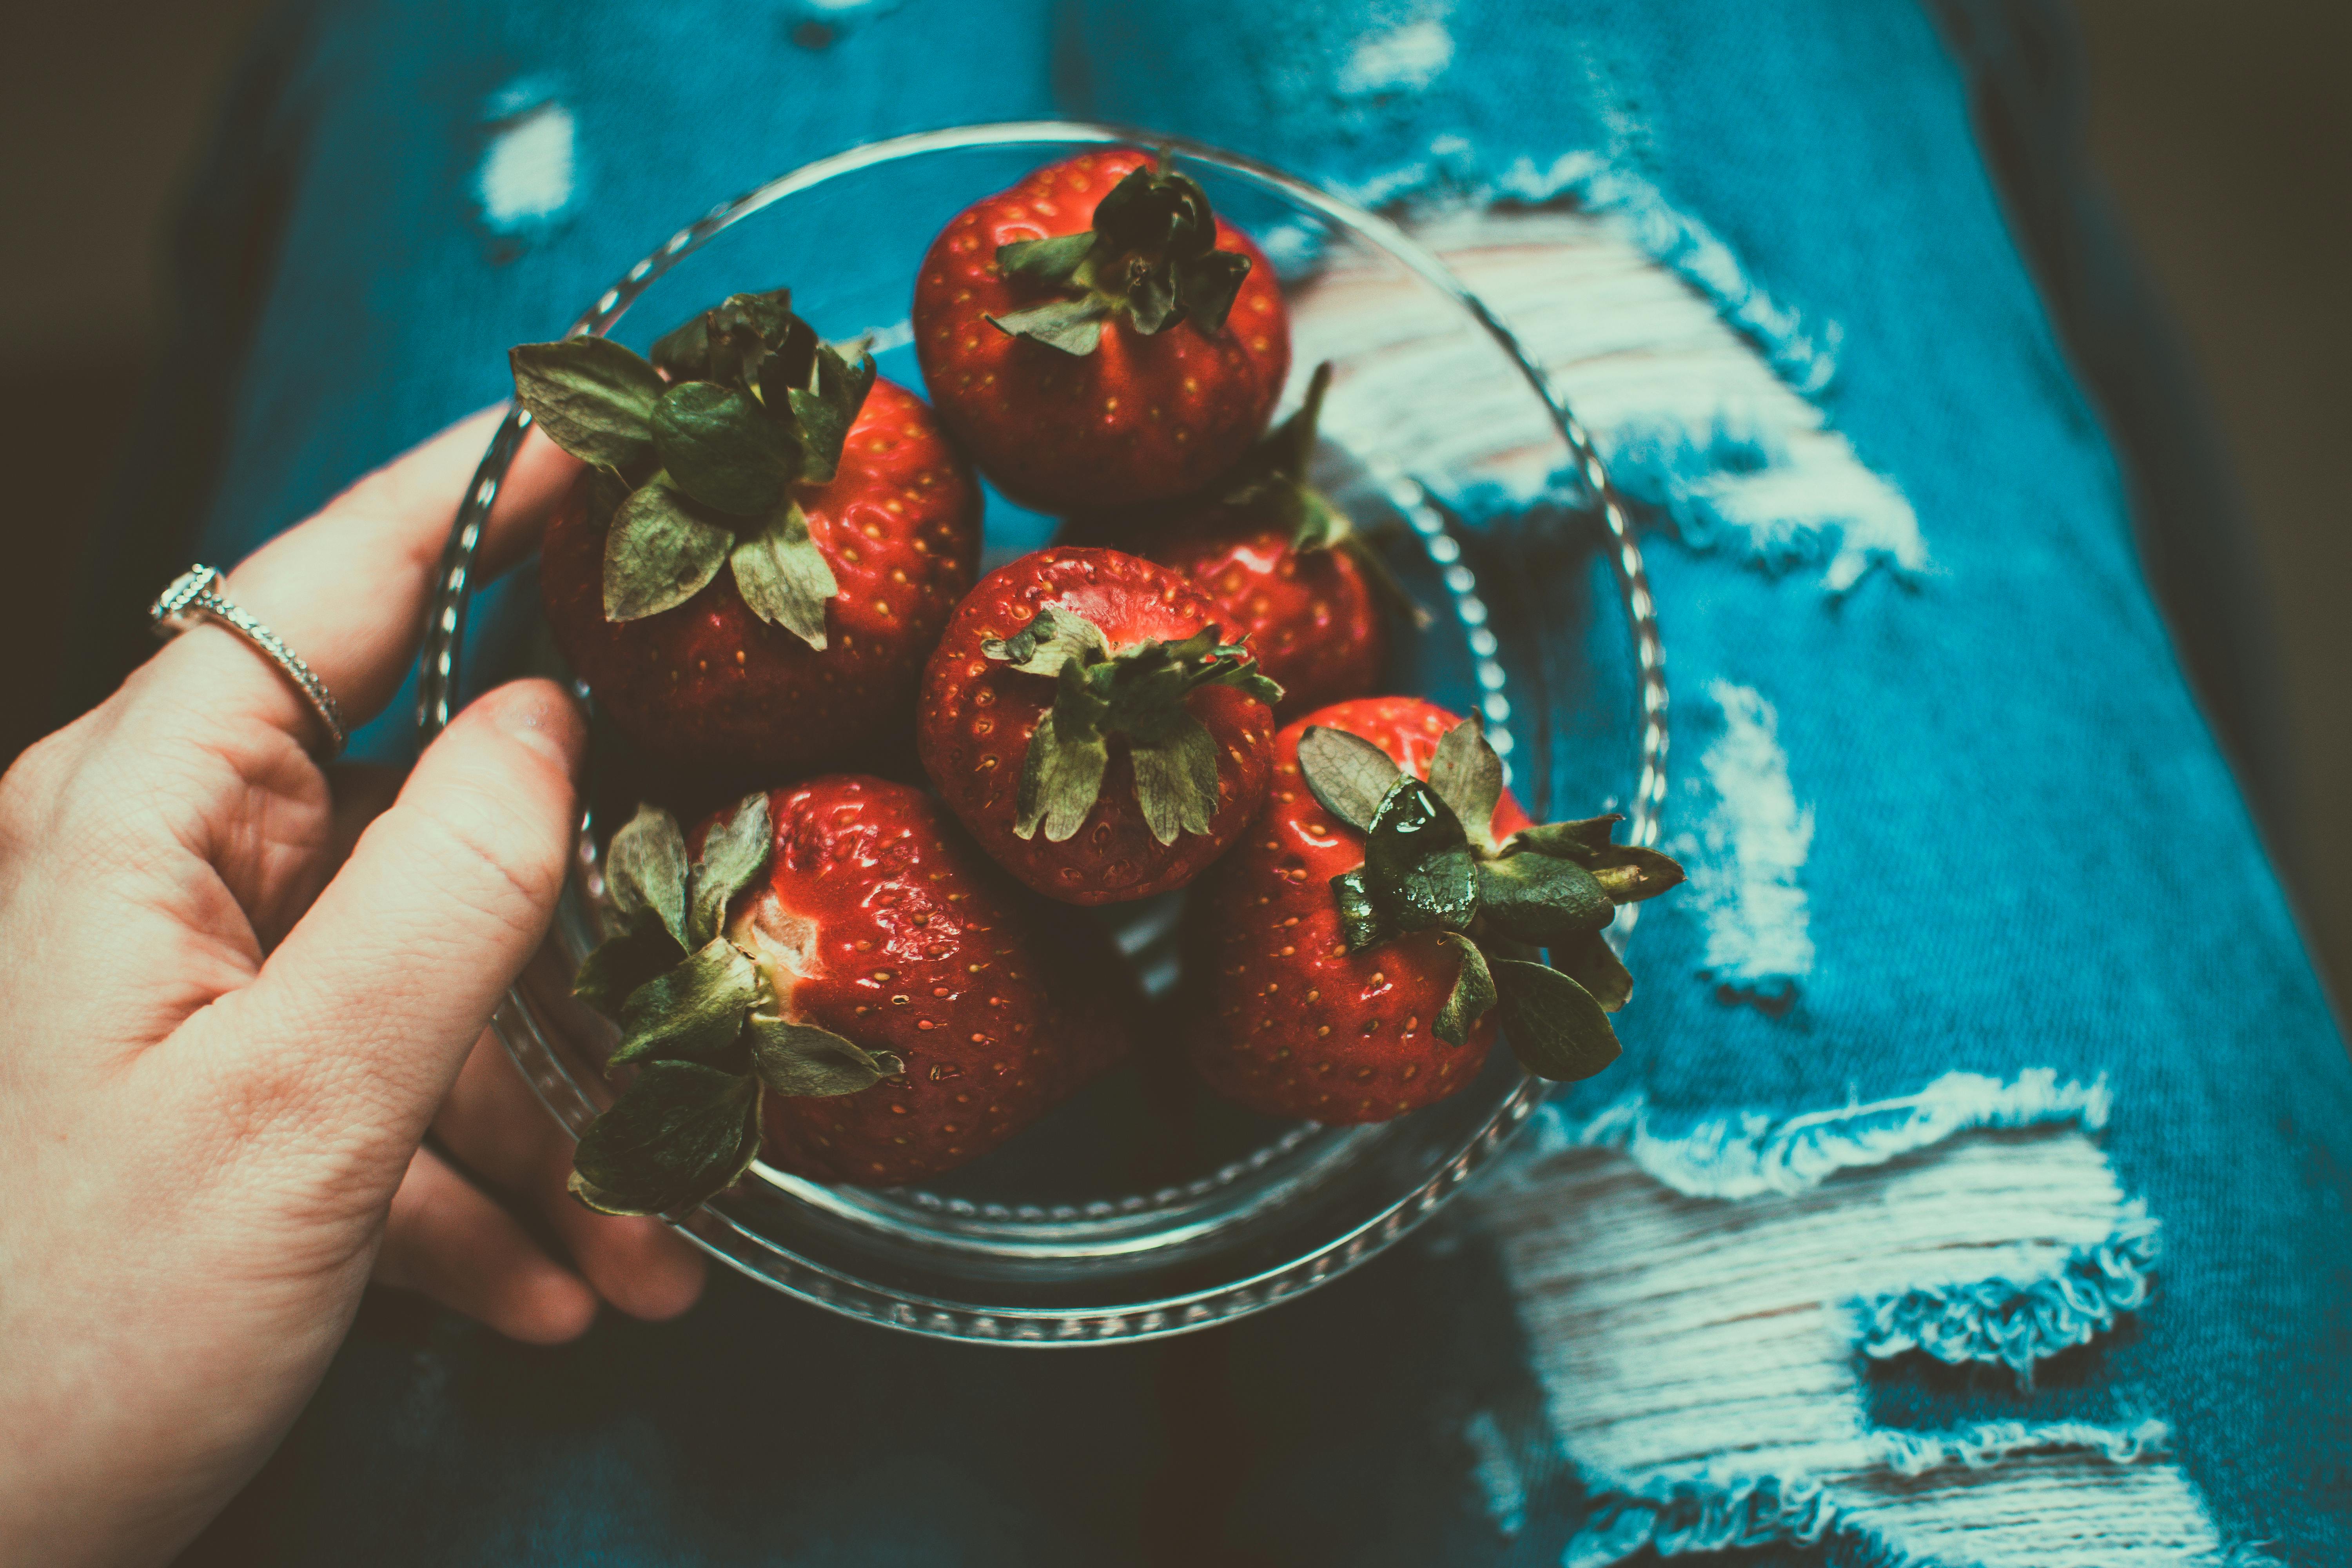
543, 719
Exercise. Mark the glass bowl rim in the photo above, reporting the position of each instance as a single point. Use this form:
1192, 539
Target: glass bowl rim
928, 1315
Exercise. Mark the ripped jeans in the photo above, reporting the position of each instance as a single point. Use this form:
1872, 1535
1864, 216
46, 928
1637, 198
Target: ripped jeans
1976, 1185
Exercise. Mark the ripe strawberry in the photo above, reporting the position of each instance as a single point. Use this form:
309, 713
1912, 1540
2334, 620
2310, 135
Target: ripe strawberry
1086, 693
1281, 565
1104, 366
1375, 924
766, 545
1311, 614
835, 972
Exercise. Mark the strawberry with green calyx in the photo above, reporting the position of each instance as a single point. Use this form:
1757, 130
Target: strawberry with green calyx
698, 1018
710, 438
1284, 566
1152, 256
1097, 337
881, 924
1384, 912
767, 540
1084, 718
871, 1009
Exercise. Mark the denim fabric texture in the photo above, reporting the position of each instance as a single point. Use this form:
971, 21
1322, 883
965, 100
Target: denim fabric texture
1990, 807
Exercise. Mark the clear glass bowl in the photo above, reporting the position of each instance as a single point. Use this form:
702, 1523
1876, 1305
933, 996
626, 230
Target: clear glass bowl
1143, 1208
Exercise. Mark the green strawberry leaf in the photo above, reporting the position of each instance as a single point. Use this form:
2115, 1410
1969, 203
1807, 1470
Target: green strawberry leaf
1139, 693
1073, 326
1417, 861
1054, 638
680, 1134
1349, 775
1208, 285
1151, 255
1576, 841
624, 960
1627, 871
1152, 302
752, 333
1053, 261
1360, 918
659, 553
693, 1012
645, 872
783, 576
1592, 963
734, 853
1176, 779
803, 1060
1557, 1028
1272, 484
1468, 777
731, 340
684, 351
1536, 898
1290, 451
1236, 666
1143, 692
826, 410
717, 445
593, 398
1472, 993
1632, 874
1062, 774
1308, 517
1144, 210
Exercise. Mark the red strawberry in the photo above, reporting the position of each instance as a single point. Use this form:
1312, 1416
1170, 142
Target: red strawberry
1281, 564
1086, 693
766, 549
836, 973
1311, 614
1101, 367
1357, 941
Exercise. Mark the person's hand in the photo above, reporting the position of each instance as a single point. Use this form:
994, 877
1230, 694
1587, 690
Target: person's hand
224, 1042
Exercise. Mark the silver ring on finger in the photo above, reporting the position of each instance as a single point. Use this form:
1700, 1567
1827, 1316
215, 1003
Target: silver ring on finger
195, 596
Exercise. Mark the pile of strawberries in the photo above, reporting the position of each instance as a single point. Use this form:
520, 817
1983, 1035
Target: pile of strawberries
768, 567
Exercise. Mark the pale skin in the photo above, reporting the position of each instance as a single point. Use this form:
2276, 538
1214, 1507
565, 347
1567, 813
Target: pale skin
240, 986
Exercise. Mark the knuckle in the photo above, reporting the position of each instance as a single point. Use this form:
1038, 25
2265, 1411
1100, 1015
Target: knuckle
36, 780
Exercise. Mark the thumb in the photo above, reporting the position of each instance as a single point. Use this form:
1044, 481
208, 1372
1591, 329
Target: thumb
363, 1015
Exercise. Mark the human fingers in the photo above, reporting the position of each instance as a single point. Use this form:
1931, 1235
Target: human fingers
362, 791
347, 589
494, 1123
449, 1240
358, 1021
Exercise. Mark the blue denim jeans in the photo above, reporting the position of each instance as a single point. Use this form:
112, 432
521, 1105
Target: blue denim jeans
1974, 1187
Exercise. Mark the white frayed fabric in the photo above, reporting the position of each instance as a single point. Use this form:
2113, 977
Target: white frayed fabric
1714, 435
1746, 850
1696, 1356
1453, 179
1746, 1155
2027, 1497
2019, 1323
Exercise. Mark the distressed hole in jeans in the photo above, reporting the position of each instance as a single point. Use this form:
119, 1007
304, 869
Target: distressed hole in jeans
1697, 1351
1701, 428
